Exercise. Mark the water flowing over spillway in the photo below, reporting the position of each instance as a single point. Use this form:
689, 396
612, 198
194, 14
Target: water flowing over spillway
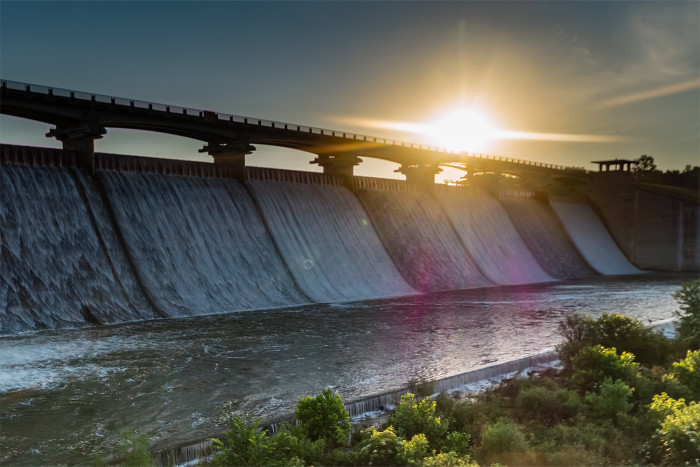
490, 237
328, 242
420, 240
54, 272
592, 238
198, 243
543, 234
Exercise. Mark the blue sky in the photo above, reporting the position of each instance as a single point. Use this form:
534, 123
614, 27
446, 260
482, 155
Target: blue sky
627, 73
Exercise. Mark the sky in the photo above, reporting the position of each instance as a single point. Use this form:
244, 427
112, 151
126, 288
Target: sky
556, 82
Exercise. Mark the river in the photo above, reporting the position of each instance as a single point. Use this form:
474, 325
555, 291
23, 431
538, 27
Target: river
66, 394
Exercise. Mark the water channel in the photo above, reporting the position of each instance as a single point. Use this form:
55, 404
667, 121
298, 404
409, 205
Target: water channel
66, 394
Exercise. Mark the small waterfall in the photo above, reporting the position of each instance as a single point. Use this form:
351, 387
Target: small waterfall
198, 244
544, 235
327, 241
490, 236
592, 238
420, 240
54, 271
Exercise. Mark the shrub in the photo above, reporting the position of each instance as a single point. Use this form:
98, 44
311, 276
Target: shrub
546, 404
133, 450
411, 418
503, 442
613, 330
244, 444
688, 326
412, 452
421, 387
687, 372
457, 442
593, 364
378, 447
448, 459
324, 417
612, 401
679, 435
291, 446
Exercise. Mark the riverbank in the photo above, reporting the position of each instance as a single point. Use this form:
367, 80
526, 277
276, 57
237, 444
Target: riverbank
374, 408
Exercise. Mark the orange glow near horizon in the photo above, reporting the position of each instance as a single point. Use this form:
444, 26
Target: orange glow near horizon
468, 129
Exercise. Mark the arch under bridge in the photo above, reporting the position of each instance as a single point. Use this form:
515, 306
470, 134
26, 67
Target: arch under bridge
81, 118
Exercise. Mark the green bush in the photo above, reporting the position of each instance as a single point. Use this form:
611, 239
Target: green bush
457, 442
679, 435
612, 401
421, 387
411, 418
688, 325
324, 417
687, 373
291, 446
133, 450
413, 451
593, 364
503, 442
244, 444
378, 447
448, 459
613, 330
548, 405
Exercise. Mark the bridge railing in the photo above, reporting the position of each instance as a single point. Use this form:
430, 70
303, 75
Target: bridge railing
238, 119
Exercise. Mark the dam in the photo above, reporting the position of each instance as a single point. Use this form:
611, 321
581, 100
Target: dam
145, 293
146, 238
152, 292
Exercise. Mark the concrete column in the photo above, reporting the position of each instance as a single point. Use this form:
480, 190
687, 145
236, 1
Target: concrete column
81, 139
422, 176
341, 165
230, 154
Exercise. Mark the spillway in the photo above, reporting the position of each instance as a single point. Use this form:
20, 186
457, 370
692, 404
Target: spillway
418, 236
198, 244
544, 235
326, 239
490, 236
592, 238
54, 271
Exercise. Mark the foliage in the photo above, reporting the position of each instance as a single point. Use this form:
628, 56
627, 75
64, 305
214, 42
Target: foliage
612, 401
291, 446
645, 170
244, 444
412, 418
502, 442
133, 450
324, 417
421, 387
679, 434
593, 364
457, 442
548, 405
613, 330
688, 324
378, 447
413, 452
687, 372
448, 459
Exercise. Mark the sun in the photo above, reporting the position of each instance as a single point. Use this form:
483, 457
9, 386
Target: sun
462, 129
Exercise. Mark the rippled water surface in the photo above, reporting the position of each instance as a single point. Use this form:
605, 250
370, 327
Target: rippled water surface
66, 394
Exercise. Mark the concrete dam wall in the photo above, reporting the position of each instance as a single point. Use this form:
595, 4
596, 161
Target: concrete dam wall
147, 238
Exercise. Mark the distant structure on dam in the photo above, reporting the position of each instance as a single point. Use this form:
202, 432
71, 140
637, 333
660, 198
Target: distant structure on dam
88, 238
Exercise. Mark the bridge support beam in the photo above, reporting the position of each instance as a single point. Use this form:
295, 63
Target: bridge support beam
231, 154
80, 139
340, 165
420, 175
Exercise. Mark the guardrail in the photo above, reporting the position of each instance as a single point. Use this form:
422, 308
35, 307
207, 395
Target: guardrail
223, 117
